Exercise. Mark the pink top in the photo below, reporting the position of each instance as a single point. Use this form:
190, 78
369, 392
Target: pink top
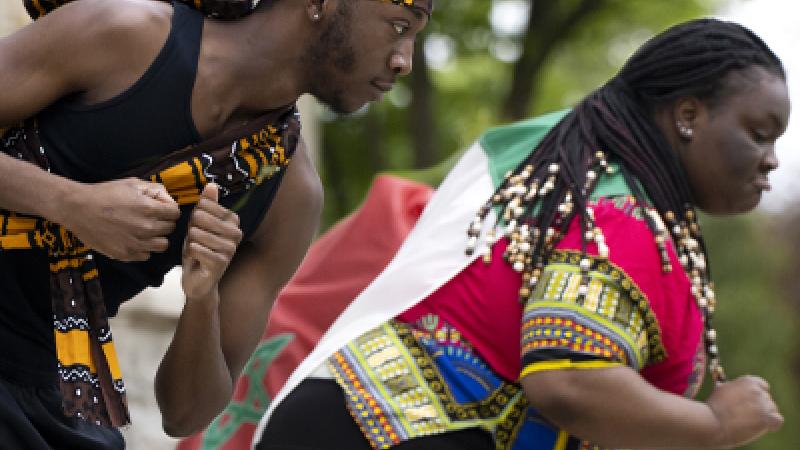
482, 302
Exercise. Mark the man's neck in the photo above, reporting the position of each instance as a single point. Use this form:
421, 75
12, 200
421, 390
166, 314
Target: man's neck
250, 66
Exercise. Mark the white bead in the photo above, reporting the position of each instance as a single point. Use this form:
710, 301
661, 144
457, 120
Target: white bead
524, 247
585, 264
519, 266
512, 225
553, 168
583, 290
518, 190
700, 263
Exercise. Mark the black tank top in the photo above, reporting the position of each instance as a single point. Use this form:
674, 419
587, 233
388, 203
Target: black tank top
97, 142
100, 142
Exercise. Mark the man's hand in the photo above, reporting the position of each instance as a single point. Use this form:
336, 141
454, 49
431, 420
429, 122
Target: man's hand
211, 242
745, 411
124, 219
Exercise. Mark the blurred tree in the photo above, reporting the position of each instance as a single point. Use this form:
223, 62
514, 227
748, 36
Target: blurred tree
549, 23
478, 64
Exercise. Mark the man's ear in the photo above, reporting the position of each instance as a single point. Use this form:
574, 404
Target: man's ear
317, 9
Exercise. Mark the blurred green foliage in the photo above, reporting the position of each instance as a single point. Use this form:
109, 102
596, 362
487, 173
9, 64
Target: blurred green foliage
754, 268
754, 263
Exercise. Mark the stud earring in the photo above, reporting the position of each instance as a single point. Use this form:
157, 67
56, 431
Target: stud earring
315, 17
685, 131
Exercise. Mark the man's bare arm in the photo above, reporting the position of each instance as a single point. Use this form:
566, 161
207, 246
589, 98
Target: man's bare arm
215, 337
78, 50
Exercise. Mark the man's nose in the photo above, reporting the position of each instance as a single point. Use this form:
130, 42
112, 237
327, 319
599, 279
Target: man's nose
401, 60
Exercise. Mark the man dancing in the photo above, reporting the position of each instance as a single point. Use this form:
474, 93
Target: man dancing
115, 89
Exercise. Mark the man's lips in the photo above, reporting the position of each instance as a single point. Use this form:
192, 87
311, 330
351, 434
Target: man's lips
383, 86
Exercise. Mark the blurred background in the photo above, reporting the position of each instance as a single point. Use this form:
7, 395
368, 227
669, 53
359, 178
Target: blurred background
482, 63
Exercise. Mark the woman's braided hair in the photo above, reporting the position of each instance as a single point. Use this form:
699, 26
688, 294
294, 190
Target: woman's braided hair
615, 127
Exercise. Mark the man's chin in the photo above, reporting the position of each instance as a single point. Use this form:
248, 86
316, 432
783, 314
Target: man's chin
346, 109
339, 105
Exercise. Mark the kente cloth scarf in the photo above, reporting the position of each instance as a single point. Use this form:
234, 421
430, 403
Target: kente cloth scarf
218, 9
89, 374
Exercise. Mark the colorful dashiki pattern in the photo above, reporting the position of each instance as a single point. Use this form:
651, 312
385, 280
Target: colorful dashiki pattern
405, 381
612, 325
408, 380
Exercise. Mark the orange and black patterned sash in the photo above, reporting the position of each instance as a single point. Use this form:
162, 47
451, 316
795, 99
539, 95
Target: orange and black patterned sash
89, 374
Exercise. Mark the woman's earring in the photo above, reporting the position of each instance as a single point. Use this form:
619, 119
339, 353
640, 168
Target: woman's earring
685, 131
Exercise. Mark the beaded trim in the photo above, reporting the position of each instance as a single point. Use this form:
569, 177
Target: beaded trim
530, 246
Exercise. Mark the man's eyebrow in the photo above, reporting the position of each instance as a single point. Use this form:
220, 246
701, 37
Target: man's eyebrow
420, 10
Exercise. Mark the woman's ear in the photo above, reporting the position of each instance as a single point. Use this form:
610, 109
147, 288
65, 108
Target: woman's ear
688, 113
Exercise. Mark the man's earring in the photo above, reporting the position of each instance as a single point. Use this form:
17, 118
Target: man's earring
315, 17
685, 131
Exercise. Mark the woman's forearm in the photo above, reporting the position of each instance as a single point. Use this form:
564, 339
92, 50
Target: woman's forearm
616, 408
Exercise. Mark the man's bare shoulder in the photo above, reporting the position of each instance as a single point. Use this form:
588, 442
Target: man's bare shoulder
118, 20
101, 47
